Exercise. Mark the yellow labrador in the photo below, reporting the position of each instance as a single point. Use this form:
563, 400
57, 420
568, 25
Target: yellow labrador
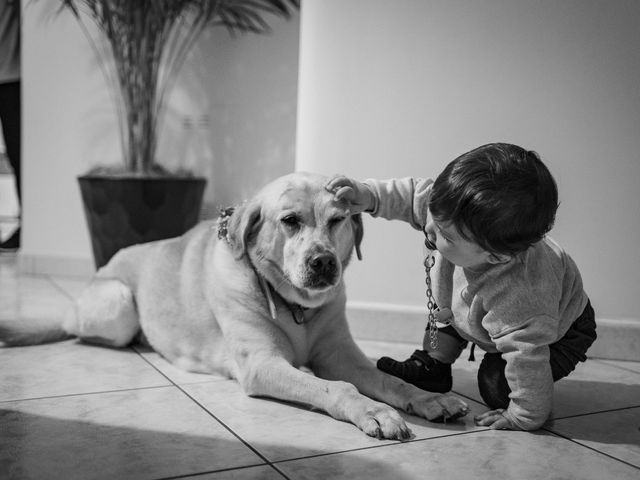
253, 299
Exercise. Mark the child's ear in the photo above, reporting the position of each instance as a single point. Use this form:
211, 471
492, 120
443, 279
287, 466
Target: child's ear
498, 258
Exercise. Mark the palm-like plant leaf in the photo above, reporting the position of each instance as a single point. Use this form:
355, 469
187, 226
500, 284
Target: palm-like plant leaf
148, 42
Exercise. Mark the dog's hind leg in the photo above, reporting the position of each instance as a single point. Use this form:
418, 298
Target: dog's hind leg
105, 313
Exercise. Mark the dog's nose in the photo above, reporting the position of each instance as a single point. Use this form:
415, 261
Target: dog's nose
323, 263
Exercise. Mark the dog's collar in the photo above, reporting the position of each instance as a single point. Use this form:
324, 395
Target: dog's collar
223, 223
297, 311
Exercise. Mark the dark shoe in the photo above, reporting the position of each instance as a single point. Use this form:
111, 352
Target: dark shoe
420, 370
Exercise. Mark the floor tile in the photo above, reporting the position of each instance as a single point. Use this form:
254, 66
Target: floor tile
175, 374
375, 349
478, 455
142, 434
626, 365
615, 433
71, 286
587, 389
71, 367
281, 430
464, 372
28, 297
250, 473
595, 387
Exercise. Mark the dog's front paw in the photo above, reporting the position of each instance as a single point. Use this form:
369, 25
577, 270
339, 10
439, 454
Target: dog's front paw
384, 422
438, 408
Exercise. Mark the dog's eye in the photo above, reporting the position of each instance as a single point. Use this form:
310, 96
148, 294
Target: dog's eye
335, 221
291, 221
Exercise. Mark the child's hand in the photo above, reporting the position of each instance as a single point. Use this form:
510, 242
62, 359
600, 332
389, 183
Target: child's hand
495, 419
351, 191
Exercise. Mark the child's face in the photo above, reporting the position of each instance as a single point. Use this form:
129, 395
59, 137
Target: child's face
454, 247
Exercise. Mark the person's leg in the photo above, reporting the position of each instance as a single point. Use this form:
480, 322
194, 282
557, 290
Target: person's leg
10, 119
572, 347
428, 369
492, 382
564, 355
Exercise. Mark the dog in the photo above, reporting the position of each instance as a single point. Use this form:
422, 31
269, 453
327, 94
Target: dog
254, 296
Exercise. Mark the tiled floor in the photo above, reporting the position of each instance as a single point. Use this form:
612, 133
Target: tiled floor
74, 411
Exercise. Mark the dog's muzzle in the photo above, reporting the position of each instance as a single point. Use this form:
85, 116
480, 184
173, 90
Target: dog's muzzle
323, 270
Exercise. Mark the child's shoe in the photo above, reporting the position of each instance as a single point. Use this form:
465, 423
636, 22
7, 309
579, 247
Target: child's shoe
420, 370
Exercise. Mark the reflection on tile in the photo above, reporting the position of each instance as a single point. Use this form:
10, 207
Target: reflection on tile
480, 455
150, 434
282, 430
71, 286
250, 473
31, 298
616, 433
71, 367
175, 374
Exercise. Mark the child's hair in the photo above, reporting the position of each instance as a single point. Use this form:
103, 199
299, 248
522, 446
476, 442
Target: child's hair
500, 196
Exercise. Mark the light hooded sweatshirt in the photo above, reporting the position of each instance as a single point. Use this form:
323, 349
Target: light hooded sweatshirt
517, 308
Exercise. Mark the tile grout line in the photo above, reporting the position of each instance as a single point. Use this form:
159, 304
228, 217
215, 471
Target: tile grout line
222, 470
244, 442
590, 448
57, 287
370, 447
596, 413
604, 361
81, 394
274, 464
95, 392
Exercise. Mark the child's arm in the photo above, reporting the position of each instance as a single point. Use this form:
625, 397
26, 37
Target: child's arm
403, 199
528, 372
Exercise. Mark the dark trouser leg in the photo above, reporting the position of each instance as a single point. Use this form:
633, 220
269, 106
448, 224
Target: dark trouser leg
564, 355
10, 118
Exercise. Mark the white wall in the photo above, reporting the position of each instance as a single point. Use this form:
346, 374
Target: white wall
395, 88
231, 118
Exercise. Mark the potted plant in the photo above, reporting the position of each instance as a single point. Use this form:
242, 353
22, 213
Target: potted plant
141, 48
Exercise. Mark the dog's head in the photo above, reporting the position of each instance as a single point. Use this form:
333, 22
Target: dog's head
297, 236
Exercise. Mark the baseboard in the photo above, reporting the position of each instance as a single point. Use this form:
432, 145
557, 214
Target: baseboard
618, 339
33, 264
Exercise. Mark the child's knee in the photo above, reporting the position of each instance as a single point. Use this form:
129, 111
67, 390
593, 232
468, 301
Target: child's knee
492, 382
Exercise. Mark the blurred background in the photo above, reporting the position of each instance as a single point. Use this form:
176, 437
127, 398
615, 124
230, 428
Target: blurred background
368, 88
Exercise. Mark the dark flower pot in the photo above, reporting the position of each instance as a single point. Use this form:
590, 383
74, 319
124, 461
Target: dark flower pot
124, 211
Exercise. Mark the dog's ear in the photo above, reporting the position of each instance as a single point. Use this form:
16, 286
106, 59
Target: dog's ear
358, 231
244, 222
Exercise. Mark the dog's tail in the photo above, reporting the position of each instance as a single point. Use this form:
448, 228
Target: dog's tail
15, 333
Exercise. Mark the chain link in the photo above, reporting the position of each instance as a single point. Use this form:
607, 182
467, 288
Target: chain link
429, 261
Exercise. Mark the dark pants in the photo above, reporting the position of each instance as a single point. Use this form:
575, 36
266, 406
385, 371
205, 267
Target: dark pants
11, 119
564, 355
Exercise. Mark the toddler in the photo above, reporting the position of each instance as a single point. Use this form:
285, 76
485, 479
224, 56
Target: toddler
497, 280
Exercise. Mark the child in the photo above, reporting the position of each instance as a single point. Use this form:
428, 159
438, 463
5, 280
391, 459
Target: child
498, 281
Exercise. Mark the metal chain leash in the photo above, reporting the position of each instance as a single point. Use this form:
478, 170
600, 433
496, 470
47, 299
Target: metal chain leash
429, 261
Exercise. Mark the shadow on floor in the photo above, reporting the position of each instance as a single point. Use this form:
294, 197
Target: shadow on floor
37, 447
